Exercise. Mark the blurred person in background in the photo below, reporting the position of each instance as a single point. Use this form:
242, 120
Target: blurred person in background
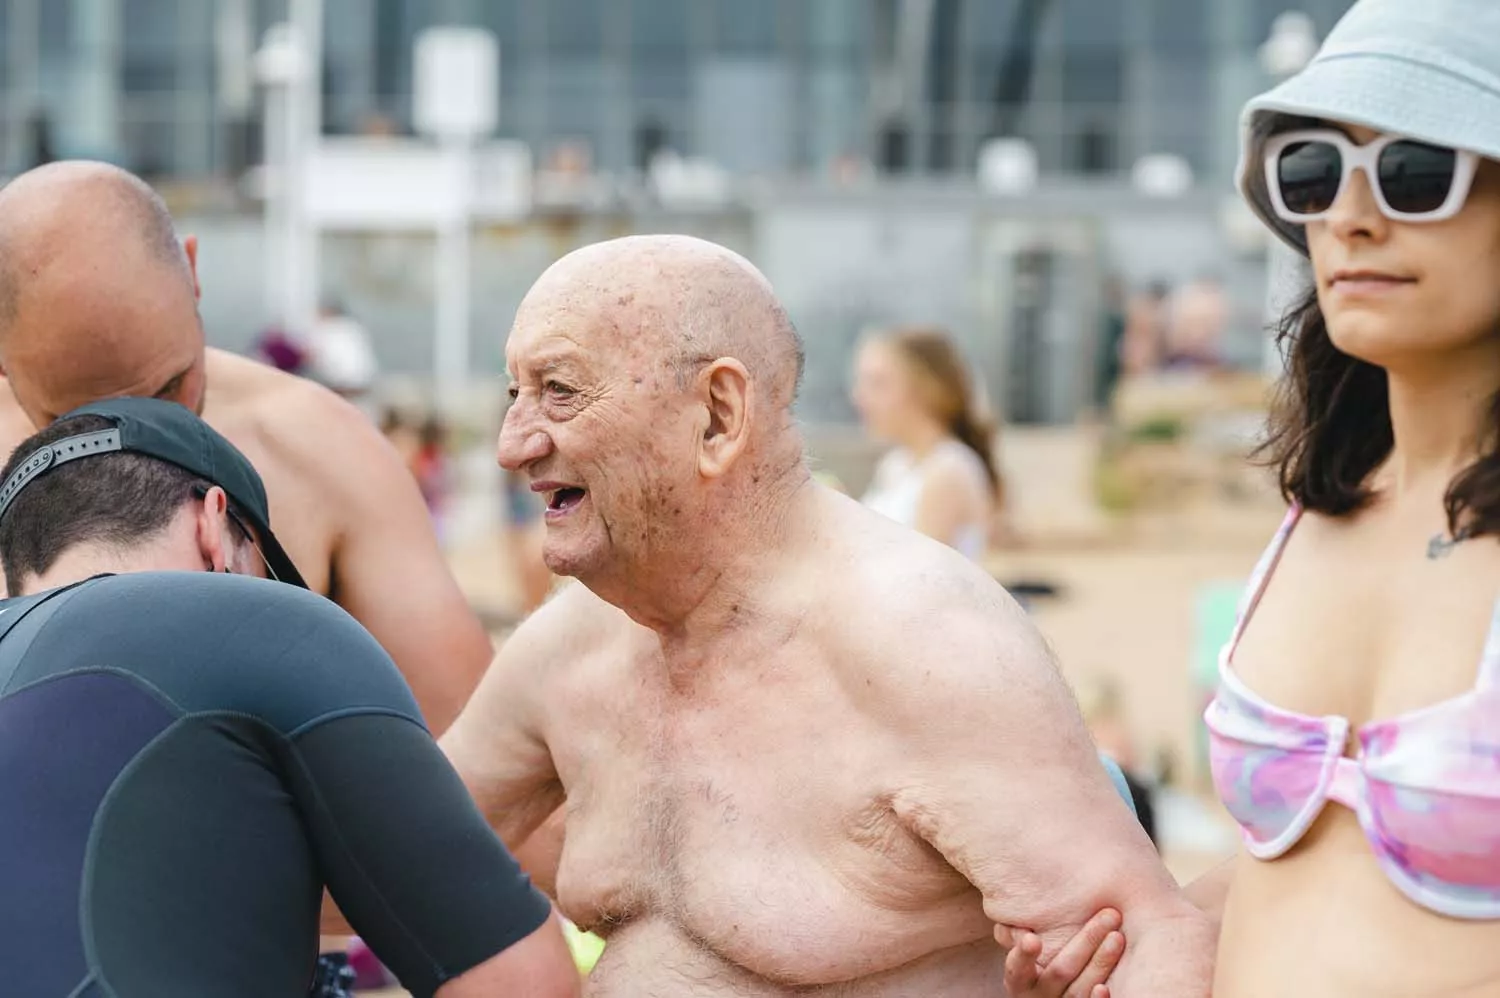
341, 356
432, 466
913, 390
1110, 362
1197, 318
1143, 350
1354, 733
1103, 709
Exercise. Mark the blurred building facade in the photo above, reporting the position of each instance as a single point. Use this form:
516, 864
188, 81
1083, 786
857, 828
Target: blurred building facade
855, 126
774, 87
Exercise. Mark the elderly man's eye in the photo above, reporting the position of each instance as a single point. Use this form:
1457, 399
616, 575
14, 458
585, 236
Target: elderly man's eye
514, 391
558, 388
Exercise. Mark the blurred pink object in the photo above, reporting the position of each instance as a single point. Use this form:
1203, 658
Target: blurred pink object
370, 973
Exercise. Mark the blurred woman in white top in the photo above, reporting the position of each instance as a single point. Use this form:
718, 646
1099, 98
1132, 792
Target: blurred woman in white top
913, 391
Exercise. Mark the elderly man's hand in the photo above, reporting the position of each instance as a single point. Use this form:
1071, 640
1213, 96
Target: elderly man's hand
1079, 970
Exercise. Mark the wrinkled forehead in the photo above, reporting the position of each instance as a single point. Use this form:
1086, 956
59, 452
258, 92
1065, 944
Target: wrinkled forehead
585, 328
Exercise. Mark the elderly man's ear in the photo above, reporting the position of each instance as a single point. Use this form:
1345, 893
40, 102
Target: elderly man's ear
726, 392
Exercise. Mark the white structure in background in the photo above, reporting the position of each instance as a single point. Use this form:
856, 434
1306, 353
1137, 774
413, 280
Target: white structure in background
1007, 166
289, 65
1291, 46
688, 182
383, 184
457, 102
1162, 175
280, 67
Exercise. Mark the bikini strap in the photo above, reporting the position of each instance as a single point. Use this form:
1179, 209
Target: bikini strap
1489, 664
1261, 577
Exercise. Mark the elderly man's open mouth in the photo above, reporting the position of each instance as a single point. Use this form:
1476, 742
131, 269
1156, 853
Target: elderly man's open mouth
561, 499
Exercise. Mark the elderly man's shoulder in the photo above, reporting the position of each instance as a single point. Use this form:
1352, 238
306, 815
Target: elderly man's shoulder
571, 622
913, 605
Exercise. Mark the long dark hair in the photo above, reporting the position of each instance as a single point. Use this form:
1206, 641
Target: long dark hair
949, 392
1330, 428
1330, 422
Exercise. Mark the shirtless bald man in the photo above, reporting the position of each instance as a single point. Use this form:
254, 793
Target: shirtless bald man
800, 749
99, 298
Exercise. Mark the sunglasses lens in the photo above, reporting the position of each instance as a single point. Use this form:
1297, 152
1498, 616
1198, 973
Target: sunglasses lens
1415, 177
1309, 174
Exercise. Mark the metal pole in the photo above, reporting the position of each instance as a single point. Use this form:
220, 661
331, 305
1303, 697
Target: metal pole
95, 90
450, 359
273, 133
303, 131
24, 42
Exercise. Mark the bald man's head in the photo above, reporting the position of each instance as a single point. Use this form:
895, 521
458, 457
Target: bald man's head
654, 378
689, 299
98, 297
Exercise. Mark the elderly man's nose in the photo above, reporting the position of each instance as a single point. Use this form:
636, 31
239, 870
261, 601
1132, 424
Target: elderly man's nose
522, 441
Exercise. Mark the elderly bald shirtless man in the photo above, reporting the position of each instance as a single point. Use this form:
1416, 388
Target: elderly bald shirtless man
99, 298
800, 749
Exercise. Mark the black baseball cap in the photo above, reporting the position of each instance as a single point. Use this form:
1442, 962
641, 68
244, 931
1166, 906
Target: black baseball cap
168, 432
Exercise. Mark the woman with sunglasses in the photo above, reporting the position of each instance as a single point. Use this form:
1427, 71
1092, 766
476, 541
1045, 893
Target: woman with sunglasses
1355, 736
1356, 732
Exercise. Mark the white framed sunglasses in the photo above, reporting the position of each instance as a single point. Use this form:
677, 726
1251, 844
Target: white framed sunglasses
1307, 170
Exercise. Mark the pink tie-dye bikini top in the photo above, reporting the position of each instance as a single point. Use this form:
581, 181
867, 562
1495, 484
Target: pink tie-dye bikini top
1425, 784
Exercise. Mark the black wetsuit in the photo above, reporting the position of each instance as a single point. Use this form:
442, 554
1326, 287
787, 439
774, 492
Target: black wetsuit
187, 759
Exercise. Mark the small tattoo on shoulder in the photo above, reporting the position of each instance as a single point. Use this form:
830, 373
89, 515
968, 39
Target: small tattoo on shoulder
1442, 545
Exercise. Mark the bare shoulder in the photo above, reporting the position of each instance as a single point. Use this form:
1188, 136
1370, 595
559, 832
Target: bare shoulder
278, 411
570, 626
927, 625
15, 426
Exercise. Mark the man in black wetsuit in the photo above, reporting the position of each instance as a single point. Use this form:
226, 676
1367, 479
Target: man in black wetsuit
186, 757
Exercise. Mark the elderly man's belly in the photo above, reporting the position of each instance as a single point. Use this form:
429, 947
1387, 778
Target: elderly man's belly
1325, 921
653, 958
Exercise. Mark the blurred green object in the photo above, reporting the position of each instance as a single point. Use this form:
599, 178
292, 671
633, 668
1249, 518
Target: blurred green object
1214, 615
586, 947
1157, 429
831, 480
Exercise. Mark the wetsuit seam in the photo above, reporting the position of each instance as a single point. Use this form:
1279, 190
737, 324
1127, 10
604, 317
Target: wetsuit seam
134, 678
65, 594
343, 712
439, 972
86, 910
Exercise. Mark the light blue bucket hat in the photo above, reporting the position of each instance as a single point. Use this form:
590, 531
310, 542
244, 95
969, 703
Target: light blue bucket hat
1425, 69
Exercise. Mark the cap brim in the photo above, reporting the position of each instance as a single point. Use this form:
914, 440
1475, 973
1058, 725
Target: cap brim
1381, 91
279, 561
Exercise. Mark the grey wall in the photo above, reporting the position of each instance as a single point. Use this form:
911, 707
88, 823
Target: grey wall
843, 263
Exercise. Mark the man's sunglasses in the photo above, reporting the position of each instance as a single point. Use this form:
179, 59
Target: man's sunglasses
1412, 181
201, 491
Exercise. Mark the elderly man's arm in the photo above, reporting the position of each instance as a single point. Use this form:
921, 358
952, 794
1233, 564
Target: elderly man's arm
388, 569
498, 744
1005, 783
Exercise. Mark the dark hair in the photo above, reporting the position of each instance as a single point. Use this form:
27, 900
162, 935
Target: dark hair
119, 499
950, 393
1330, 427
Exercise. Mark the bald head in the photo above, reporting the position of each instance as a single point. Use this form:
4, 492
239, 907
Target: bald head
97, 295
688, 300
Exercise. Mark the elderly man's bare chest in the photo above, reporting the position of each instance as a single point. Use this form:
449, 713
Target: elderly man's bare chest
749, 822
